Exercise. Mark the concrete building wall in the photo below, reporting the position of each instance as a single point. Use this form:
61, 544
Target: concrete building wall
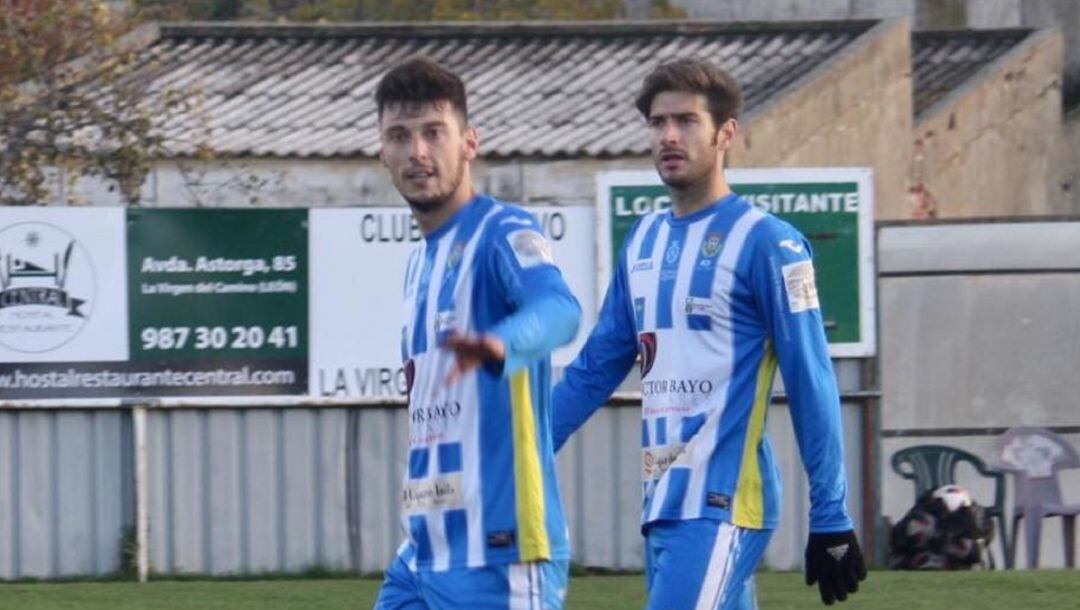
979, 333
854, 111
1064, 15
345, 182
995, 147
995, 14
1071, 150
925, 15
791, 10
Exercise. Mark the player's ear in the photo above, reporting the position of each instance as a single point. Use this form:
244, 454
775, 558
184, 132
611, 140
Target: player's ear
470, 142
727, 133
382, 149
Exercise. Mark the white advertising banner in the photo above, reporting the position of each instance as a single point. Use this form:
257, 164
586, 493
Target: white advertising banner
63, 294
357, 259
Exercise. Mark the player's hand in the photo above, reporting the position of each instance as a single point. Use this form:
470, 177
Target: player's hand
835, 562
470, 351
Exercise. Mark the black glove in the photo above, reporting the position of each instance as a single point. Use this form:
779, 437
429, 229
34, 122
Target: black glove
835, 562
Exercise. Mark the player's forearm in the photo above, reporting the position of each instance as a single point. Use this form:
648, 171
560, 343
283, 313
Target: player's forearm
815, 414
590, 380
569, 413
823, 456
538, 327
574, 400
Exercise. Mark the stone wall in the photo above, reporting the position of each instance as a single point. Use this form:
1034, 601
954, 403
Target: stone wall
854, 111
995, 146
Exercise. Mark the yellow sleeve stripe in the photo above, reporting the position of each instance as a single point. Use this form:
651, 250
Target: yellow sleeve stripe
749, 509
533, 542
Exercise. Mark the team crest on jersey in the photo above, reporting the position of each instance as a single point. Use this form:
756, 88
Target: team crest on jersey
647, 351
711, 245
672, 253
457, 252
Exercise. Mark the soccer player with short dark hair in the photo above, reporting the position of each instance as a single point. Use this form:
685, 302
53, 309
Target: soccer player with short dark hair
715, 295
484, 307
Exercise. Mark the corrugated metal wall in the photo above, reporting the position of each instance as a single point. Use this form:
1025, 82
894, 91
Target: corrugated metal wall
285, 489
247, 491
66, 496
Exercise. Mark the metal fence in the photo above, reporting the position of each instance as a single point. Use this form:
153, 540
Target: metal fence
249, 490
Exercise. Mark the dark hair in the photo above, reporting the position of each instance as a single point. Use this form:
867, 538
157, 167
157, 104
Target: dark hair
418, 79
693, 76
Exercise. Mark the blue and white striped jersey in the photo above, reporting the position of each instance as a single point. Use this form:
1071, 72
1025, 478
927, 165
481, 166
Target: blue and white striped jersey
480, 485
713, 301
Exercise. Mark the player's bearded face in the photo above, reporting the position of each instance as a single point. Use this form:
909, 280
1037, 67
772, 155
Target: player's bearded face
685, 141
425, 147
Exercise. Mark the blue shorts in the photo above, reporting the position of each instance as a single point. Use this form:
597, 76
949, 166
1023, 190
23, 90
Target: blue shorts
702, 564
519, 586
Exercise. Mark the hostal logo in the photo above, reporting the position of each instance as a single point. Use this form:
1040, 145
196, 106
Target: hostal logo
46, 287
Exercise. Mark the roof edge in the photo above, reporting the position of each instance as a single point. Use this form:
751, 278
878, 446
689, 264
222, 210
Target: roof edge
824, 68
948, 33
492, 28
1030, 40
976, 220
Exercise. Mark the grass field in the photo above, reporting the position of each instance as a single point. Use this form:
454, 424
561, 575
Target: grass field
1048, 590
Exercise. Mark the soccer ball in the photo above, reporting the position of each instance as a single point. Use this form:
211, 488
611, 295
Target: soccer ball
952, 498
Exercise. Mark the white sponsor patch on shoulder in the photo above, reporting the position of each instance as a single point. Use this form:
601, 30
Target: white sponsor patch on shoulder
530, 248
800, 286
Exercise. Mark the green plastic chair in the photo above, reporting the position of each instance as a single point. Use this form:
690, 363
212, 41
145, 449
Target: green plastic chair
932, 466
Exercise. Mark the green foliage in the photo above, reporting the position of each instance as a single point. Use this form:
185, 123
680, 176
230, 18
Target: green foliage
70, 104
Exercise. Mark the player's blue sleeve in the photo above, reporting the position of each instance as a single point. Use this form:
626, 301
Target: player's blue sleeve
783, 282
545, 313
602, 364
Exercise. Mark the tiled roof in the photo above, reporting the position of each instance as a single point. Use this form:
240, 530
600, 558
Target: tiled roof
942, 61
542, 90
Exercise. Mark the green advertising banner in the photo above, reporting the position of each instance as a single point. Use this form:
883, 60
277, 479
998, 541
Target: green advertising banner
833, 207
182, 306
221, 296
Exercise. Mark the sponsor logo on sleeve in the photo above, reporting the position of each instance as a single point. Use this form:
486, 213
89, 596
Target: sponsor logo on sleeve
530, 248
802, 294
